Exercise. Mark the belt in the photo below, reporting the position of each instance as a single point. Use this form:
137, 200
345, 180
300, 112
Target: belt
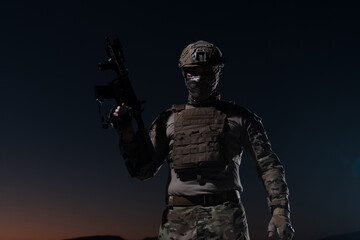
204, 199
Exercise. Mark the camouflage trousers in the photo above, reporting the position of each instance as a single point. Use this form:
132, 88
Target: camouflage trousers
220, 222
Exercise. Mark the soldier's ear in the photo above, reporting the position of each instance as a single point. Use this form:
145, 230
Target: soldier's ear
183, 72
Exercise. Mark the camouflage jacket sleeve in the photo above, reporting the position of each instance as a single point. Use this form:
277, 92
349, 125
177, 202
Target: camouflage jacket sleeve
147, 152
268, 166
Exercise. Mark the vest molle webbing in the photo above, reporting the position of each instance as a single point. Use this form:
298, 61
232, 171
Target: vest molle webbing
198, 137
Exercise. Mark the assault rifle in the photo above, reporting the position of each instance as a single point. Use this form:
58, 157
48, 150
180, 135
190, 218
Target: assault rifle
119, 89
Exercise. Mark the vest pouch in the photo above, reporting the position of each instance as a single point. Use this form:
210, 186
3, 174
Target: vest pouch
198, 138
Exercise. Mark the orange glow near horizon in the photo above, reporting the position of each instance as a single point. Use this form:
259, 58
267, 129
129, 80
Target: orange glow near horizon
31, 231
25, 224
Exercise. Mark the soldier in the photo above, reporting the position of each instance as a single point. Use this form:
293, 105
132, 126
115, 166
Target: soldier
203, 142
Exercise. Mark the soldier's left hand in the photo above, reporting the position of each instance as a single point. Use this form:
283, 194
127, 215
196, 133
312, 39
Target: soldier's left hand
281, 224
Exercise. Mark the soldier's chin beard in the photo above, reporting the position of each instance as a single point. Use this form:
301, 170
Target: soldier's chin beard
199, 92
200, 89
199, 95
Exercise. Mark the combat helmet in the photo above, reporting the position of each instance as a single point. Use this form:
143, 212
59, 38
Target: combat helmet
201, 53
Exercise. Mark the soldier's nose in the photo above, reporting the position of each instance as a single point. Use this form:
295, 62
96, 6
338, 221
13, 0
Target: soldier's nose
194, 78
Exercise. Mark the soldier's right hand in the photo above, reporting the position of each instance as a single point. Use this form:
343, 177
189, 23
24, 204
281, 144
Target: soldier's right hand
121, 117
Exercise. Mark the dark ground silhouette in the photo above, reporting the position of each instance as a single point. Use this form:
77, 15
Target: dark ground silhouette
106, 238
97, 238
348, 236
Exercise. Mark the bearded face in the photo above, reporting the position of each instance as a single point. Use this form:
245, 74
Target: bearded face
201, 82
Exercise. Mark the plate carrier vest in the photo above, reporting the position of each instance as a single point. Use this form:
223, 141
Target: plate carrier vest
198, 139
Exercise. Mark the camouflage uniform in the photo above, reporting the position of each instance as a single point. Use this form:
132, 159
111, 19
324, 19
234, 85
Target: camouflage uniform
224, 221
242, 130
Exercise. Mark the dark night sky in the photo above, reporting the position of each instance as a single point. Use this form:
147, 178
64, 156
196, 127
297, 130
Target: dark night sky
61, 174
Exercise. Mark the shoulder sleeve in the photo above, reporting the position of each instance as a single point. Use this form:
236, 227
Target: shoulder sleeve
268, 165
147, 153
158, 135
